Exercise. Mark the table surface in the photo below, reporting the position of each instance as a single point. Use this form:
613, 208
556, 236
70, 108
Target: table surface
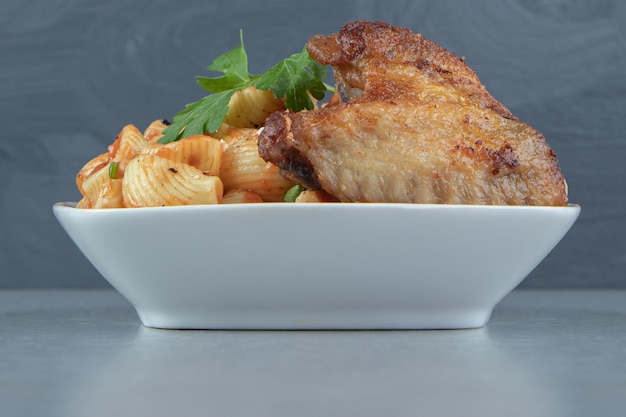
85, 353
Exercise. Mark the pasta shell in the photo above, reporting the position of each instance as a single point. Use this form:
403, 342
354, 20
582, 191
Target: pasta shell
84, 203
315, 196
151, 180
237, 196
243, 168
199, 151
92, 185
110, 195
154, 131
128, 144
250, 107
229, 135
89, 169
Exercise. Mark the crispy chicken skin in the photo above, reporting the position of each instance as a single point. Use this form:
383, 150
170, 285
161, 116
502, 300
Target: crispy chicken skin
414, 125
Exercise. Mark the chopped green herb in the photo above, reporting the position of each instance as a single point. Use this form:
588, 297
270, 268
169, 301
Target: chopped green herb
297, 79
113, 167
293, 193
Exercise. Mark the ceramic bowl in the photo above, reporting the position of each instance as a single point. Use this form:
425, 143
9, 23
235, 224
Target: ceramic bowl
316, 265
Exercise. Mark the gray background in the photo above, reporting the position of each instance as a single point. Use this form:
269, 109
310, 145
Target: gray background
73, 72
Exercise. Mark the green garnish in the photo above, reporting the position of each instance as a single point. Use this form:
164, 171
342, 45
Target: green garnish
293, 193
113, 166
294, 79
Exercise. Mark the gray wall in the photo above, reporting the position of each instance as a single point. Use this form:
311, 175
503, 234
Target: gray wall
73, 72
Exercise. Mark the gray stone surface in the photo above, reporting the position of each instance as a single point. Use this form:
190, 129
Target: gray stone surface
76, 353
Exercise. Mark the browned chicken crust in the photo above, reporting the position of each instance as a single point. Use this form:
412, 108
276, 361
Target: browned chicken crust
414, 125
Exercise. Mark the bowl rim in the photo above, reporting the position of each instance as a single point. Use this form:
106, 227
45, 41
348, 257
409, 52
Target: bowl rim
71, 205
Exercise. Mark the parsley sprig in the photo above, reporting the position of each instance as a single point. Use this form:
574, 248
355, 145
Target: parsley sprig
296, 79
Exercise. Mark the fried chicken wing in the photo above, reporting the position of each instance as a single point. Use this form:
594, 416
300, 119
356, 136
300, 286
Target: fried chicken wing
414, 125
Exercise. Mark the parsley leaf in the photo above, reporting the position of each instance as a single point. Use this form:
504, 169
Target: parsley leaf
297, 79
234, 65
205, 115
294, 78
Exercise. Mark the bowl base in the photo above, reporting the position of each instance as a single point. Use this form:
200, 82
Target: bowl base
419, 320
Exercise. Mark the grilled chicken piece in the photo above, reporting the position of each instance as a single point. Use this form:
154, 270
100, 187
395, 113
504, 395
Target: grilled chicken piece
414, 125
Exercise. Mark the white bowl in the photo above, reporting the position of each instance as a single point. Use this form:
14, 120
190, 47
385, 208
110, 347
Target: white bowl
316, 266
